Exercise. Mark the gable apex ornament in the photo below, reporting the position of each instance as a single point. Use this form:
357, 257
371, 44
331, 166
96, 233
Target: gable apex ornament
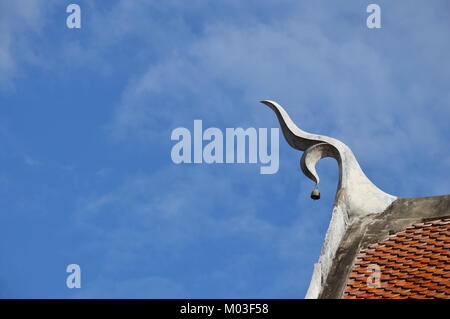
362, 213
355, 191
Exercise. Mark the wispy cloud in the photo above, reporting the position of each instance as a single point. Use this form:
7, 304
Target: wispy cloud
20, 22
178, 216
368, 91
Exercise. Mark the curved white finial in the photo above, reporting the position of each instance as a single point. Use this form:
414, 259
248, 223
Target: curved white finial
358, 193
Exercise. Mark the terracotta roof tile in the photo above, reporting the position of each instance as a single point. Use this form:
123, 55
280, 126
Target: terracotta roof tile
413, 263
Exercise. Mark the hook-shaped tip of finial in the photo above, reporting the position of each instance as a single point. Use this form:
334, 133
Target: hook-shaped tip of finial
296, 137
273, 105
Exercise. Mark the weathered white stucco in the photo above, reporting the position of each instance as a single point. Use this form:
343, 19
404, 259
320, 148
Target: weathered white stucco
356, 195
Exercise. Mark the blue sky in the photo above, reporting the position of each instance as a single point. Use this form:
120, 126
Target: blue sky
86, 117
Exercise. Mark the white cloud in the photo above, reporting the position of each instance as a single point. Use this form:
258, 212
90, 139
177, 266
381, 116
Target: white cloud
180, 212
20, 22
363, 87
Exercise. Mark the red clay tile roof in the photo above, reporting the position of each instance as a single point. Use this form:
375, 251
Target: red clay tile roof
414, 263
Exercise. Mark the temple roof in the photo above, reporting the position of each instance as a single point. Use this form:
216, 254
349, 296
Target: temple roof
371, 227
373, 230
413, 263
